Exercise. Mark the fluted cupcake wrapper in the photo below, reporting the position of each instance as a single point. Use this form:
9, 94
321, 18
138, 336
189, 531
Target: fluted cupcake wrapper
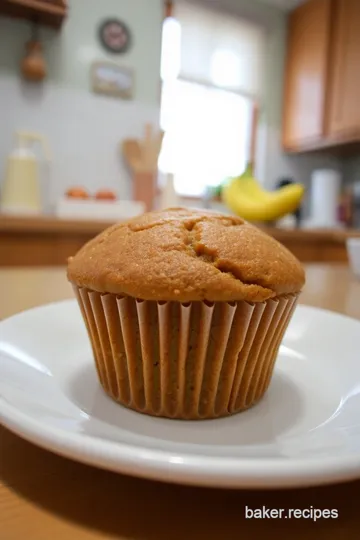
190, 361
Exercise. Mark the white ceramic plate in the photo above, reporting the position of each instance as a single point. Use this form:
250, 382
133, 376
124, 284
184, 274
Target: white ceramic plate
305, 431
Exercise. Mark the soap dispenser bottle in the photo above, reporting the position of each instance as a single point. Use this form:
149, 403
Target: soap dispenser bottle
21, 192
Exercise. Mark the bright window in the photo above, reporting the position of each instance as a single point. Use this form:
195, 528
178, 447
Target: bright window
206, 135
206, 107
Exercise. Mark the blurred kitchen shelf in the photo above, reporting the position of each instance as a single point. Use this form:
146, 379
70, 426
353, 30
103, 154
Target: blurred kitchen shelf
43, 240
312, 235
315, 245
50, 224
49, 241
44, 12
98, 210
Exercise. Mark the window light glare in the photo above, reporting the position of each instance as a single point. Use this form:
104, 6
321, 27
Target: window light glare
170, 49
225, 68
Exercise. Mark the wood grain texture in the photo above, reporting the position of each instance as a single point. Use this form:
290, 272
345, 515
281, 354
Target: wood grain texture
47, 241
45, 12
47, 225
306, 73
35, 241
343, 111
45, 496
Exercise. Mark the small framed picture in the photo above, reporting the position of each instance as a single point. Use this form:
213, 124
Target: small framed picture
112, 80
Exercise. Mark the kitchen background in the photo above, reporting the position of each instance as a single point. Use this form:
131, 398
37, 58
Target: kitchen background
83, 129
91, 134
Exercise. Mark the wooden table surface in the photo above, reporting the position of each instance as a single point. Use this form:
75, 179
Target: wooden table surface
44, 496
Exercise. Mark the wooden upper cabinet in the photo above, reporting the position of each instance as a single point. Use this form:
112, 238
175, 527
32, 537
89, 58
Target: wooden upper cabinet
43, 12
343, 111
306, 74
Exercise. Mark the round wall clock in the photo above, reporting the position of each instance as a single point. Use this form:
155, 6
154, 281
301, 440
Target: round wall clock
115, 36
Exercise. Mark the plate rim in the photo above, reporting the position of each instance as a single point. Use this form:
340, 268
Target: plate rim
186, 467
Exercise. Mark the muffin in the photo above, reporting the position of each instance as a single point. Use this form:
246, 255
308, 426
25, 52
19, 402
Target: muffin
185, 311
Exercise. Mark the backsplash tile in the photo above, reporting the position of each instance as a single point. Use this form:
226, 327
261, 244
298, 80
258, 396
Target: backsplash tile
84, 132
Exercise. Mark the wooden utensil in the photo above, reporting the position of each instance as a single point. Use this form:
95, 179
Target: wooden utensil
142, 157
132, 152
143, 154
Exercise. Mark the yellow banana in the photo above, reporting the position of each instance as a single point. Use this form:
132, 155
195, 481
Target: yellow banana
245, 197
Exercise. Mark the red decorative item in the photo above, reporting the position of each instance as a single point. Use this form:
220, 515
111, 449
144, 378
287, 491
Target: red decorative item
169, 9
105, 195
77, 193
33, 66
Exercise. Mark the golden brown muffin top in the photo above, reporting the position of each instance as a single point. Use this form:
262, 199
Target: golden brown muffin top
187, 255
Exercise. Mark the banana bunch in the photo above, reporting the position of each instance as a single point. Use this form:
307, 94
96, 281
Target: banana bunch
244, 196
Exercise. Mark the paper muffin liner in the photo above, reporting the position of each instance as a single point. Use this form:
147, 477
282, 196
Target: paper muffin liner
192, 360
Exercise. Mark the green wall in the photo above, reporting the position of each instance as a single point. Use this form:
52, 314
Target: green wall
70, 52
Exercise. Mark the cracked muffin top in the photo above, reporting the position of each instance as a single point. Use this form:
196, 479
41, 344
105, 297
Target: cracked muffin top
186, 255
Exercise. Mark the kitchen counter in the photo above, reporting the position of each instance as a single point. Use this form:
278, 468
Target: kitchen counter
49, 241
315, 245
49, 225
43, 241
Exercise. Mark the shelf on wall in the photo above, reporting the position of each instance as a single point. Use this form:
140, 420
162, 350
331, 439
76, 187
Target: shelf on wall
43, 12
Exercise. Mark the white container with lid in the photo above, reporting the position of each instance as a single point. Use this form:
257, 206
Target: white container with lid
324, 202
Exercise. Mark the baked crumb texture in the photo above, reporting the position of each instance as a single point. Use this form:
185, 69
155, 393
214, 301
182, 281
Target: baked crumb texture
187, 255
